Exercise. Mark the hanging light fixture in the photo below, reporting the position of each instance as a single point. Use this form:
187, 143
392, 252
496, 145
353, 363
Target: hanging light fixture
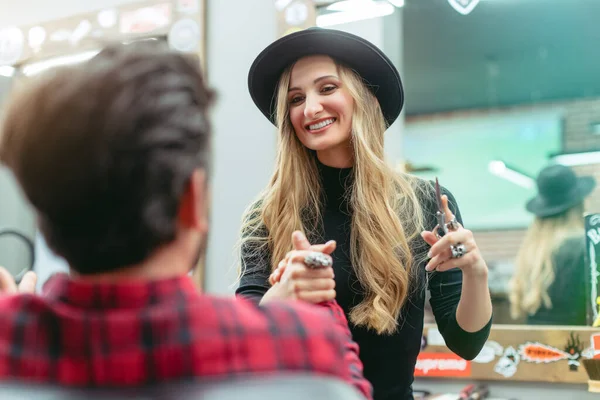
464, 7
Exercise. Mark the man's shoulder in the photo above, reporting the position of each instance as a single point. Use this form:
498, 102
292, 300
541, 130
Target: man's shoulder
289, 335
15, 302
22, 309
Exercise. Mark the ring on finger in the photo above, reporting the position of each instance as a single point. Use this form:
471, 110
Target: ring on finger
436, 231
458, 250
452, 225
317, 260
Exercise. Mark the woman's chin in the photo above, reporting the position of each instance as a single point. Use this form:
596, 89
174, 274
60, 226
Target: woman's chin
319, 144
318, 147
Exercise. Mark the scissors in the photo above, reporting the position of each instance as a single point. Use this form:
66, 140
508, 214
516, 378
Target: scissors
441, 215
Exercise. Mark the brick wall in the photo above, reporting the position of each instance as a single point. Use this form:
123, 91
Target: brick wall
501, 245
578, 118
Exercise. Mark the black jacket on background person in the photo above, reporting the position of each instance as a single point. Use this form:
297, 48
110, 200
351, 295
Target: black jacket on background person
567, 292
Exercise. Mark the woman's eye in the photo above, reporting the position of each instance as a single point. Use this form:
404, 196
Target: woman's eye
296, 99
328, 88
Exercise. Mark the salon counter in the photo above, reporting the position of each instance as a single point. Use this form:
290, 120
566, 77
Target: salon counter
508, 390
517, 362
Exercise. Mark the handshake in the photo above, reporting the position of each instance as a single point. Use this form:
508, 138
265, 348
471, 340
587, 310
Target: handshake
305, 273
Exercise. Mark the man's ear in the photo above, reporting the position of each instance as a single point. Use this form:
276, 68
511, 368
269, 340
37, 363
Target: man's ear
193, 210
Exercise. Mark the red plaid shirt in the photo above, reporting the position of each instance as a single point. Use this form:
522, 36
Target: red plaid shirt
101, 334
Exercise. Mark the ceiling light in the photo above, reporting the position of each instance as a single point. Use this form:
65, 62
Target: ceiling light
397, 3
349, 5
354, 10
464, 7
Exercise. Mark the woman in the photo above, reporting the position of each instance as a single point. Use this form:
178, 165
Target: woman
332, 95
550, 262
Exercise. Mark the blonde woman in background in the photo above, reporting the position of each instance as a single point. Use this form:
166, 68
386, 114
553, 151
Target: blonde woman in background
548, 287
332, 95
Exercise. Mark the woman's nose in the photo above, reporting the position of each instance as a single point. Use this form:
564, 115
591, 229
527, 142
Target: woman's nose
312, 107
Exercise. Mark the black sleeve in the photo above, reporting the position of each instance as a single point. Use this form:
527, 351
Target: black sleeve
445, 289
569, 267
256, 269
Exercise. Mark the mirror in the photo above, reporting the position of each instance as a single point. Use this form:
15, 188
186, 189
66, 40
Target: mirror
493, 97
27, 51
17, 221
495, 91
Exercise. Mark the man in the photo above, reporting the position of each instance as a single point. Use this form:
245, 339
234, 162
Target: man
114, 155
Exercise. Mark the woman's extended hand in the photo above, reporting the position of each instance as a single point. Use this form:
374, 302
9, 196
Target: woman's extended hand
294, 279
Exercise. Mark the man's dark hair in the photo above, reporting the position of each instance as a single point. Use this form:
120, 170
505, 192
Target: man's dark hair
103, 150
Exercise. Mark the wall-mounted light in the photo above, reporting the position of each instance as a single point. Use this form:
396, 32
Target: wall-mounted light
40, 66
354, 10
573, 159
144, 39
7, 71
500, 169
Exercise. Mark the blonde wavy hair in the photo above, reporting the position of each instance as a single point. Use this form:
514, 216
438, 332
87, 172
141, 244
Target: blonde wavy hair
386, 211
534, 269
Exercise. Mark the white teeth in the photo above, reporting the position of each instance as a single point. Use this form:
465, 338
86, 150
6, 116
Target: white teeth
321, 124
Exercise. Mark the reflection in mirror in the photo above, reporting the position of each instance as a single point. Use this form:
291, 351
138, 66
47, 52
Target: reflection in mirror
15, 212
550, 261
492, 98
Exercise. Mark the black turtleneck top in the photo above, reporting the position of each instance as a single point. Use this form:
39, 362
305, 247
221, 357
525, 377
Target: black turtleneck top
388, 360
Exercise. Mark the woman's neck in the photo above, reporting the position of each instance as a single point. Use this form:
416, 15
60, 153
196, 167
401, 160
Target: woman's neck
337, 182
339, 157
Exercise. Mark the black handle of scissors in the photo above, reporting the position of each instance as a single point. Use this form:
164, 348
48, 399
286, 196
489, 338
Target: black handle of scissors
440, 215
30, 247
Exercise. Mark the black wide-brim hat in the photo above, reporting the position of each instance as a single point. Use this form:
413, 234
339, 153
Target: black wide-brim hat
559, 189
362, 56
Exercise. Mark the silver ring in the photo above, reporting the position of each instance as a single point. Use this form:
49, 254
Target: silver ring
452, 225
317, 260
458, 251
